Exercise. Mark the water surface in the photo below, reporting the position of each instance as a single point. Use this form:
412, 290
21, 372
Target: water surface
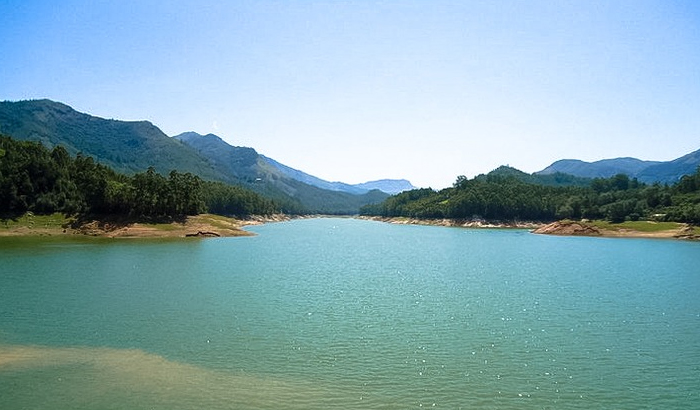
342, 313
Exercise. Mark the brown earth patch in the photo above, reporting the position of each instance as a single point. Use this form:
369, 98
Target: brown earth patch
205, 225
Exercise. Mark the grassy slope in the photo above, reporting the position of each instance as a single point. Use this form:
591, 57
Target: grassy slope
58, 224
641, 226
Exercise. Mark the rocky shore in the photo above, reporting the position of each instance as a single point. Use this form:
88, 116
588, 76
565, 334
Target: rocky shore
208, 225
581, 228
459, 223
562, 228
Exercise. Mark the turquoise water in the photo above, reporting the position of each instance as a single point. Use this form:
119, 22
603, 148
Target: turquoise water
343, 313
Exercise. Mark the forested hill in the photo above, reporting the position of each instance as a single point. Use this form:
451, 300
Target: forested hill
506, 195
36, 179
260, 175
134, 146
551, 179
125, 146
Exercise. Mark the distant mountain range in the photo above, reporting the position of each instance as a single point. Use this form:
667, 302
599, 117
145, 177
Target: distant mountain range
265, 174
245, 163
134, 146
390, 186
667, 172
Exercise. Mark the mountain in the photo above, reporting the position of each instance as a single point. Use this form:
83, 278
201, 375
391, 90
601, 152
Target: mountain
646, 171
269, 177
125, 146
605, 168
390, 186
555, 179
134, 146
671, 171
242, 162
312, 180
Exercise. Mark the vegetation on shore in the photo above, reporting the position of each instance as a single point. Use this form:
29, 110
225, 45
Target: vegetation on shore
55, 192
629, 229
57, 224
35, 179
505, 196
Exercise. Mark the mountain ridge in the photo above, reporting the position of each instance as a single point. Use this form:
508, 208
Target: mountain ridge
650, 172
125, 146
390, 186
134, 146
256, 170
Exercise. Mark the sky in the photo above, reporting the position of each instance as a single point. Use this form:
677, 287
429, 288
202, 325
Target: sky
355, 91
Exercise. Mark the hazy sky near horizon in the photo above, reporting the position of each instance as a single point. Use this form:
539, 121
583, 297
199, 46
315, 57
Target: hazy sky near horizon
361, 90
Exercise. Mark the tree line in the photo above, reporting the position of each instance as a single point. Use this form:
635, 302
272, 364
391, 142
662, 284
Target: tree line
496, 196
34, 178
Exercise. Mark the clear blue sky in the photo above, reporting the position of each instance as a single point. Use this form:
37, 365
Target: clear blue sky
360, 90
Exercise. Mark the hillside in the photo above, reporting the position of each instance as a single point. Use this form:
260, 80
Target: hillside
242, 162
667, 172
134, 146
506, 194
389, 186
267, 176
671, 171
554, 179
125, 146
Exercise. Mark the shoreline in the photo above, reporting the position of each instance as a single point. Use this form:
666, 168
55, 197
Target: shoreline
559, 228
456, 223
203, 225
585, 228
209, 225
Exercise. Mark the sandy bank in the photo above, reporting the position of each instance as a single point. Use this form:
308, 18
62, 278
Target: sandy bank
205, 225
563, 228
577, 228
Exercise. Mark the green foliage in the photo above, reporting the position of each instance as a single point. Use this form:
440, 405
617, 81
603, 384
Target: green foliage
226, 199
554, 179
130, 147
31, 220
32, 178
125, 146
507, 194
641, 226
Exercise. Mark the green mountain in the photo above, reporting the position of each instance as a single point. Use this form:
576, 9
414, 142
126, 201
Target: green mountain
125, 146
134, 146
242, 162
553, 179
268, 177
507, 194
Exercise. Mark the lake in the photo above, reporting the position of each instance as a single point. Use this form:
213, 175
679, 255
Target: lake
349, 314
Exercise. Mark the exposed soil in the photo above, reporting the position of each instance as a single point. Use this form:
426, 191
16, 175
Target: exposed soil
205, 225
574, 228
